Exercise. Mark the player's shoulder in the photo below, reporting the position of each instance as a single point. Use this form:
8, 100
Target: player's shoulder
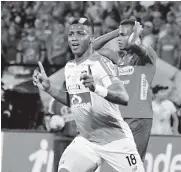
99, 57
104, 63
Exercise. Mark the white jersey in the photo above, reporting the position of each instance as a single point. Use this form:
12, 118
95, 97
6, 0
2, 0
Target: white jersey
97, 119
162, 115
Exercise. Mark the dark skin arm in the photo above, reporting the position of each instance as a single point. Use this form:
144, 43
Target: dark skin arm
102, 40
59, 95
41, 80
146, 54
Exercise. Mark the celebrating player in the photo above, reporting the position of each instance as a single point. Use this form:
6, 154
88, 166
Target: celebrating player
93, 93
136, 69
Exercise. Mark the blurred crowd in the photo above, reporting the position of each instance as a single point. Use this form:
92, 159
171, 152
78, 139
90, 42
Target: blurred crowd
35, 31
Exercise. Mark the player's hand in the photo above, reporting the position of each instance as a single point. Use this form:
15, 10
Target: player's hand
88, 80
137, 30
40, 79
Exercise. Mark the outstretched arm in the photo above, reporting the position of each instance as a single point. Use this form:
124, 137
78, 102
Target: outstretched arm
101, 41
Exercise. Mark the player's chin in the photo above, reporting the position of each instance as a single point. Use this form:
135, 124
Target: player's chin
77, 52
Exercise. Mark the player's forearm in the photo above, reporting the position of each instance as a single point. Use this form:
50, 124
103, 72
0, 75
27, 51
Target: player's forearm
137, 49
140, 51
118, 97
102, 40
59, 95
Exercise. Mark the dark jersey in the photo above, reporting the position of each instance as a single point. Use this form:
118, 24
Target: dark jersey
137, 74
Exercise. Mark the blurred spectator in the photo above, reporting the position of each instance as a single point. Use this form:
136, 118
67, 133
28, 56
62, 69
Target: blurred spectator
157, 22
12, 37
170, 19
95, 12
163, 7
176, 8
77, 8
163, 110
139, 11
59, 10
44, 7
127, 9
148, 37
4, 35
109, 24
57, 45
30, 49
168, 47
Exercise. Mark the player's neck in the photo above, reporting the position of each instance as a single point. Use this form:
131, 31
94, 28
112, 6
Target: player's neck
83, 57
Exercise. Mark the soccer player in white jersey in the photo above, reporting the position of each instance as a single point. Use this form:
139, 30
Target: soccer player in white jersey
93, 93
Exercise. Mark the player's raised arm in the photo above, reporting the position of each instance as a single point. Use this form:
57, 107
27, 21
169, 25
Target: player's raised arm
113, 90
102, 40
41, 80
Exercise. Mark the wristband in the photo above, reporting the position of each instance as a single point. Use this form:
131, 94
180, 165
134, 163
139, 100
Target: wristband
101, 91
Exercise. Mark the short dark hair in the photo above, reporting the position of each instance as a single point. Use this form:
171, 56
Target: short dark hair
128, 22
84, 21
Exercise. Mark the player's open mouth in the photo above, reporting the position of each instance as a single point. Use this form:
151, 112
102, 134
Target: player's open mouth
75, 45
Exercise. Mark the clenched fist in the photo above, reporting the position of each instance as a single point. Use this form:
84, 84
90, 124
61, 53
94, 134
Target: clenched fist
40, 79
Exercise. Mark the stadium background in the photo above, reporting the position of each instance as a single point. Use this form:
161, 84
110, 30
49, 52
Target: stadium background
32, 31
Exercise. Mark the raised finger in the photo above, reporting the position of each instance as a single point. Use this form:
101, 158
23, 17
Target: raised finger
42, 70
